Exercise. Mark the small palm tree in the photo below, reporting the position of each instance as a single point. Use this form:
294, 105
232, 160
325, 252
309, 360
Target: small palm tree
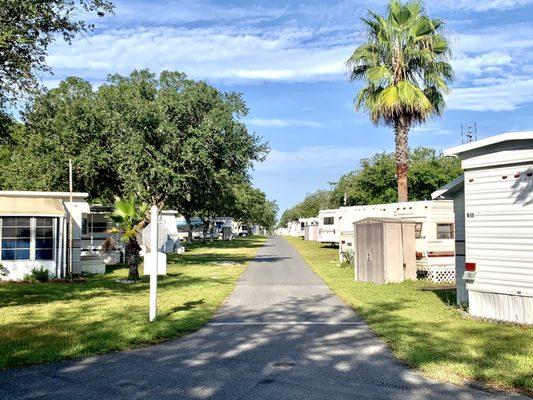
404, 63
130, 216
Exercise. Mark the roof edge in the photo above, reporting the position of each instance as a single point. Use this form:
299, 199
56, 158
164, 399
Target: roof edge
503, 137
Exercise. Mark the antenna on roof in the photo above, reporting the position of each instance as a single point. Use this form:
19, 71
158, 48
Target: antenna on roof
468, 132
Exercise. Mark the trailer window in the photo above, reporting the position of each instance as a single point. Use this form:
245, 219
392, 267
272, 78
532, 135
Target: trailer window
302, 225
329, 220
99, 227
16, 237
44, 239
444, 231
418, 230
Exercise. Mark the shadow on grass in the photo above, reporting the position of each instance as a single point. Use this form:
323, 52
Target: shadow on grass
488, 352
448, 295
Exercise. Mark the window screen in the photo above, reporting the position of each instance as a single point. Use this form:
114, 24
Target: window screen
444, 231
16, 238
44, 238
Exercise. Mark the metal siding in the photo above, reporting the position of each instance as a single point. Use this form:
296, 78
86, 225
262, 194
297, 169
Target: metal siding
499, 229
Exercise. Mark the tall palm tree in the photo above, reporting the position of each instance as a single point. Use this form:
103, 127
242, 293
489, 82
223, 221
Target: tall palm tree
404, 64
130, 217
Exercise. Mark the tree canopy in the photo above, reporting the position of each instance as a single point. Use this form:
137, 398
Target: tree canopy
167, 140
28, 27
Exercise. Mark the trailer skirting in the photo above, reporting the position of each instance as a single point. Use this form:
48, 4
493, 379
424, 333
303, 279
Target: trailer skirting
501, 306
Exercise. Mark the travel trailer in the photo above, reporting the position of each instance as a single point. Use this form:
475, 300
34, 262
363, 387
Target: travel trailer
328, 226
434, 233
498, 218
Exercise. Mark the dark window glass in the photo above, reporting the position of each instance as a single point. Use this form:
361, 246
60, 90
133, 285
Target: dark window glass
329, 220
44, 239
44, 222
444, 231
99, 227
21, 254
15, 238
44, 254
8, 254
84, 226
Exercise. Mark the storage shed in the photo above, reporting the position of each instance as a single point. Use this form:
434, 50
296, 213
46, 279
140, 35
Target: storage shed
385, 250
498, 208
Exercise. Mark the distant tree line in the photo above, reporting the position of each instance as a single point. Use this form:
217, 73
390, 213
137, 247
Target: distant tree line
374, 182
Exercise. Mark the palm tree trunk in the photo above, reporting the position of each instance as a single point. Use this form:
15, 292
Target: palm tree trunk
401, 132
133, 258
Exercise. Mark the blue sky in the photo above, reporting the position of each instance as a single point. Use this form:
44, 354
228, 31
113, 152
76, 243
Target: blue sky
287, 58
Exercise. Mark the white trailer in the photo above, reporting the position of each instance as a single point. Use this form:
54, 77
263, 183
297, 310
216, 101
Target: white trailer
434, 233
498, 208
328, 226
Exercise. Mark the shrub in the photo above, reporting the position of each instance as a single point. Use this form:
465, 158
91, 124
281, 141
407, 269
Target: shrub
40, 275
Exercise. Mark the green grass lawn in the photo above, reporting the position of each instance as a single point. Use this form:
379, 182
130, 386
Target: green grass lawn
426, 331
54, 321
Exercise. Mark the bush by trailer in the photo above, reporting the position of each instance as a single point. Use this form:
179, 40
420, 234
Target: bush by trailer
498, 208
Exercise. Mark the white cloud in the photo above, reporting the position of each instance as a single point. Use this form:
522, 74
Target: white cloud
283, 123
481, 64
318, 157
507, 95
479, 5
205, 53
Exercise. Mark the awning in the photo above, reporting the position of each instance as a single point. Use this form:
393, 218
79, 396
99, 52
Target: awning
30, 206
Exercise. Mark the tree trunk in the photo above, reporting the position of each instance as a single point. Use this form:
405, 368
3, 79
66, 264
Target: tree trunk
133, 258
401, 131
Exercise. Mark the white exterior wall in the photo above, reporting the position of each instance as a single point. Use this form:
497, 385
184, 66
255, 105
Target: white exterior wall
329, 233
499, 232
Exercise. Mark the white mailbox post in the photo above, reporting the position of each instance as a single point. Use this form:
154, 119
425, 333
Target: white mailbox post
153, 257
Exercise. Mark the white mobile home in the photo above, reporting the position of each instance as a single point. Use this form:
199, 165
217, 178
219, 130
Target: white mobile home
328, 226
498, 208
34, 230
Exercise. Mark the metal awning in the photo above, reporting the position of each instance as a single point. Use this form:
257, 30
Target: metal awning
30, 206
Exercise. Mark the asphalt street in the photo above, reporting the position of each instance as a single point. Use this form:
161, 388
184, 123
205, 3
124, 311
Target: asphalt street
282, 334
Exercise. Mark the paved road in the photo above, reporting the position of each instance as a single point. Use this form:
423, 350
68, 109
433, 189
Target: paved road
281, 335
